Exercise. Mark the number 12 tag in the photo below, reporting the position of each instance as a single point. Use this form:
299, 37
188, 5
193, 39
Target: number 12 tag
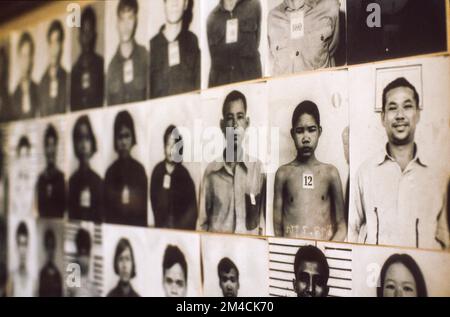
232, 31
308, 181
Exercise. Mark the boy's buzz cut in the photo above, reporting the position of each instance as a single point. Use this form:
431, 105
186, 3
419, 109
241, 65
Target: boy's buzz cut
308, 107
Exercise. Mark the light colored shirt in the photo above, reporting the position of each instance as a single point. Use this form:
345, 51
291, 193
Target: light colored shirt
395, 207
314, 48
233, 201
23, 284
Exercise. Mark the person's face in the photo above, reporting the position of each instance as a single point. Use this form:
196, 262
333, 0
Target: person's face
174, 10
309, 281
399, 282
174, 281
87, 35
229, 283
124, 141
55, 48
295, 4
125, 265
26, 59
84, 143
400, 116
22, 247
50, 151
169, 149
305, 134
126, 24
235, 119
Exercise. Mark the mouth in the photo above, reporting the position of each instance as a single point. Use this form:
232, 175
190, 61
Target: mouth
400, 126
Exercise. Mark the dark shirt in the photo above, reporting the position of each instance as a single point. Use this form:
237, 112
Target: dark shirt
57, 103
51, 194
119, 291
126, 193
50, 281
86, 196
118, 91
4, 104
17, 111
237, 61
175, 206
184, 77
87, 82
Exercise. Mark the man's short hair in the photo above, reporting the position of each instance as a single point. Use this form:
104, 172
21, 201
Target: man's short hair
411, 265
225, 266
122, 246
56, 25
233, 96
49, 239
83, 120
22, 230
83, 242
307, 107
172, 256
23, 143
310, 253
399, 82
50, 132
128, 5
124, 119
26, 37
88, 14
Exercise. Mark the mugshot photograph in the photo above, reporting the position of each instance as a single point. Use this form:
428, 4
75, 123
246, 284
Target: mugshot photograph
174, 47
175, 176
126, 53
126, 185
399, 179
85, 201
307, 188
229, 272
25, 91
4, 79
380, 29
304, 34
391, 272
87, 78
53, 53
51, 237
234, 41
233, 189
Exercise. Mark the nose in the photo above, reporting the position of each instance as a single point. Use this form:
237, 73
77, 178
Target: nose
310, 286
400, 113
398, 293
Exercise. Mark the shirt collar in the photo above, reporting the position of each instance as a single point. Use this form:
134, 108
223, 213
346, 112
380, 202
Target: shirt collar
307, 3
222, 8
220, 163
385, 156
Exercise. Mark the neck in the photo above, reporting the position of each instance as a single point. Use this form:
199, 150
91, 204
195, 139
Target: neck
126, 49
171, 30
402, 153
84, 165
229, 5
306, 160
170, 166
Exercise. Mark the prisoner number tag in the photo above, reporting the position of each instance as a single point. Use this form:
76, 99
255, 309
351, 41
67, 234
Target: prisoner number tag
174, 54
252, 199
86, 80
128, 71
85, 198
308, 181
53, 88
125, 196
166, 181
232, 31
297, 24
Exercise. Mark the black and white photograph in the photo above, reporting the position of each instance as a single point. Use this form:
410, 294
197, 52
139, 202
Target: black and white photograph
87, 79
83, 253
380, 29
174, 264
126, 146
234, 41
5, 98
126, 51
50, 236
173, 166
305, 35
233, 189
399, 168
307, 193
53, 44
85, 156
230, 272
175, 58
393, 272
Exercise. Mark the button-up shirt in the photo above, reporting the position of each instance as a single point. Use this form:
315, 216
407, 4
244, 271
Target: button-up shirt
238, 61
318, 43
395, 207
21, 96
233, 201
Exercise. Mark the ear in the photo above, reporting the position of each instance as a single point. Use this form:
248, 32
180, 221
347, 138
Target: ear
382, 117
320, 130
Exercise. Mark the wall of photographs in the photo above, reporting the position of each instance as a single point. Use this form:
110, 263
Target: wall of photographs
226, 148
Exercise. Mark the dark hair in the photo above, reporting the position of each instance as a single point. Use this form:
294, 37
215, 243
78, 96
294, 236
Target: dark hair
50, 132
233, 96
56, 25
309, 253
49, 239
83, 241
411, 265
22, 230
23, 143
172, 256
399, 82
225, 266
307, 107
131, 4
88, 14
24, 38
83, 120
173, 131
122, 246
123, 118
